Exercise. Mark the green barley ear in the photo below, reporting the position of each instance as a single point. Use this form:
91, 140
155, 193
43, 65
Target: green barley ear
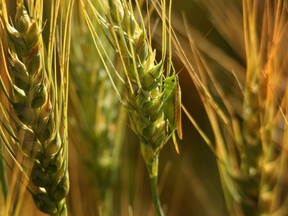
147, 95
34, 129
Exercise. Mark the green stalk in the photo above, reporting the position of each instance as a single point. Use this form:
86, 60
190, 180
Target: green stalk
155, 195
107, 199
3, 177
152, 166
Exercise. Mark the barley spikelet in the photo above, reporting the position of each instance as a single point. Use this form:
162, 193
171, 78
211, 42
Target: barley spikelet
35, 117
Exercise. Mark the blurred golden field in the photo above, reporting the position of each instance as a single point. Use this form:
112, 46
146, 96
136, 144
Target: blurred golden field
231, 60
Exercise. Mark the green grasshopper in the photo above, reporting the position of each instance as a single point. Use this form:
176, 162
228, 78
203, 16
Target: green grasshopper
172, 107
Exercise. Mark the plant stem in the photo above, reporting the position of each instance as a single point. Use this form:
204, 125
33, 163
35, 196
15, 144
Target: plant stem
107, 201
152, 160
156, 200
3, 177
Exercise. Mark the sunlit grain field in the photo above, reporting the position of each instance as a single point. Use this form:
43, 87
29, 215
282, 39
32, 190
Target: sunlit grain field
118, 107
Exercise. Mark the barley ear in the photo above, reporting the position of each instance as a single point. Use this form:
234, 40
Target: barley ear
144, 92
251, 145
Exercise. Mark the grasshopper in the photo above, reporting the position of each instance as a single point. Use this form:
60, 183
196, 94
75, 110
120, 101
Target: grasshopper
172, 107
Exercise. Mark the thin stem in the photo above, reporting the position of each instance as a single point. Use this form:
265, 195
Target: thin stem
3, 177
107, 201
156, 200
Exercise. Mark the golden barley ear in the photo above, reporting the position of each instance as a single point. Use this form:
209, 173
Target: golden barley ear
251, 148
34, 129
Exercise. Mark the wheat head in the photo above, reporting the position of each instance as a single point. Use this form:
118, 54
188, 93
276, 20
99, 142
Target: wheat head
251, 150
33, 115
146, 90
147, 94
